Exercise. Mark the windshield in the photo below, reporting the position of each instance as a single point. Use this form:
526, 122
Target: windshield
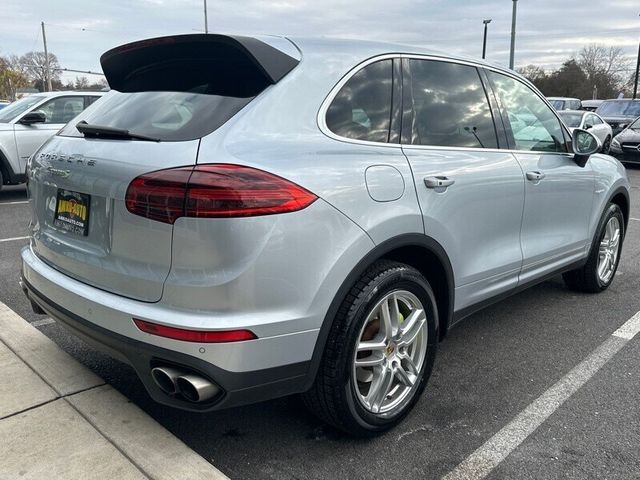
557, 104
572, 120
629, 108
16, 109
635, 125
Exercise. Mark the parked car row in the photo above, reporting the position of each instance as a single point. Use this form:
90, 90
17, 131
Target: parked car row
615, 122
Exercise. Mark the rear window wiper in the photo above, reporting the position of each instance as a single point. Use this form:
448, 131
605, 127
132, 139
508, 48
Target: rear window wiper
102, 131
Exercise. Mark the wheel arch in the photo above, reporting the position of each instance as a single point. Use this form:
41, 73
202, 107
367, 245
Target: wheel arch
620, 197
417, 250
9, 175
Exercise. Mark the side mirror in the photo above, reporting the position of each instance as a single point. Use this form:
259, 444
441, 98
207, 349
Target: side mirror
587, 126
33, 117
584, 145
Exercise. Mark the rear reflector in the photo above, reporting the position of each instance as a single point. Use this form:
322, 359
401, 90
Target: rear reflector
213, 191
199, 336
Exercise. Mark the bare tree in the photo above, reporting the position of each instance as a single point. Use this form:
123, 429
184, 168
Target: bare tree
604, 68
35, 67
533, 73
82, 83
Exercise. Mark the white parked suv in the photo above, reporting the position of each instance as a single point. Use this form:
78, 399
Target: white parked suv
29, 122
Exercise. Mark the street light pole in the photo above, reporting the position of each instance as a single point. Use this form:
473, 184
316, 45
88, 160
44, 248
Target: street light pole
635, 84
513, 34
47, 72
206, 22
484, 41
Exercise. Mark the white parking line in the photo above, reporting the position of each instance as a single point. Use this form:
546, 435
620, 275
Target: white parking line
43, 322
12, 239
489, 455
14, 203
636, 219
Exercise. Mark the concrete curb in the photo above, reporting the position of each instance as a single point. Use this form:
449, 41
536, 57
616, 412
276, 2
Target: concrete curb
88, 429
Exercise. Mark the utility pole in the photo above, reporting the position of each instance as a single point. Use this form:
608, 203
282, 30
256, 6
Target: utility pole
206, 22
47, 73
484, 41
635, 84
513, 34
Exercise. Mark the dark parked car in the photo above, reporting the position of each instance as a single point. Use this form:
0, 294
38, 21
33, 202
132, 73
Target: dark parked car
619, 113
626, 145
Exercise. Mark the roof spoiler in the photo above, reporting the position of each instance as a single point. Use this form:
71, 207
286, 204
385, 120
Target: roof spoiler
123, 63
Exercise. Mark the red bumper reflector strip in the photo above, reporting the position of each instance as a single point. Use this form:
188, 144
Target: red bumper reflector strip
200, 336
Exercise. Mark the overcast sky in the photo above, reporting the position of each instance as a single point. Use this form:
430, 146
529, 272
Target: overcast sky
549, 31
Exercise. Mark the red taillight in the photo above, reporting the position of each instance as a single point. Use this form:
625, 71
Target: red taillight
200, 336
213, 191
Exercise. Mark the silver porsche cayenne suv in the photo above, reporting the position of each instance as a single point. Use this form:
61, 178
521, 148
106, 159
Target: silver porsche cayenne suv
245, 218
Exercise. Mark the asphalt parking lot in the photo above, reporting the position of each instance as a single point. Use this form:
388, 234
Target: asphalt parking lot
489, 370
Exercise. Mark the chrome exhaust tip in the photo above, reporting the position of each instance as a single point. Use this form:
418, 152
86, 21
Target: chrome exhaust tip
196, 389
166, 379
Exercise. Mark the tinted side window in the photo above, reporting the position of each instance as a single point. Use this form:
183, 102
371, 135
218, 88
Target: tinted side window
450, 107
62, 109
89, 100
362, 108
533, 123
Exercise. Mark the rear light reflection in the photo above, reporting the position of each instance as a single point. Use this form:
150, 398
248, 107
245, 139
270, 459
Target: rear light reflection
213, 191
200, 336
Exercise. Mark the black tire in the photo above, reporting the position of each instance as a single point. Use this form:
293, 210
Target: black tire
606, 146
586, 279
333, 396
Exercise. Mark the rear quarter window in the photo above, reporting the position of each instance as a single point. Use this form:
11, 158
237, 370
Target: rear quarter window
362, 108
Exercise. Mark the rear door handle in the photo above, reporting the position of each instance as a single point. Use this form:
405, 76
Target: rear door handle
438, 182
535, 176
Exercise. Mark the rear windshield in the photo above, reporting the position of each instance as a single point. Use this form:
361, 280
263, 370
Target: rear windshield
168, 116
572, 120
180, 100
630, 108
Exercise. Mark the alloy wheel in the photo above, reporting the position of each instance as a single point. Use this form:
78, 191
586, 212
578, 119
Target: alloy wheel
609, 250
390, 352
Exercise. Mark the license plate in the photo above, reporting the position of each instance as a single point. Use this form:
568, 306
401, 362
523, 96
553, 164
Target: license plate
72, 212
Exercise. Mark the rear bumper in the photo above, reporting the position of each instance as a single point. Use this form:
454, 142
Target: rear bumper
65, 300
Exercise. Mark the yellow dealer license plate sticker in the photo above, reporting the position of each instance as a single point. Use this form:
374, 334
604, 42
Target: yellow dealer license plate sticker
72, 212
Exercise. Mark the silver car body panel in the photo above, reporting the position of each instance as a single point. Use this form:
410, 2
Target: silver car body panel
122, 253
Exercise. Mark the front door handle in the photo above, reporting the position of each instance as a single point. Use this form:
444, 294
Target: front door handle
535, 176
438, 182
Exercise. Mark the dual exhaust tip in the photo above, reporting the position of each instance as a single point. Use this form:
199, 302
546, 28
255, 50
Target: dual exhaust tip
193, 387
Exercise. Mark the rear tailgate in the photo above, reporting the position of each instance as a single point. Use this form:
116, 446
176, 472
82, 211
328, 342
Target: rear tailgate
167, 94
121, 252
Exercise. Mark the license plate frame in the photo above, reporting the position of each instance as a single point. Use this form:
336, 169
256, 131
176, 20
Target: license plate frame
72, 212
